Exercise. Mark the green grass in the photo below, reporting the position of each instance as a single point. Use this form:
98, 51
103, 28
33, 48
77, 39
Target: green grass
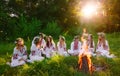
61, 66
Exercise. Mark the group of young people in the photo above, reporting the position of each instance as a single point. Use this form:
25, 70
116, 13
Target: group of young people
42, 48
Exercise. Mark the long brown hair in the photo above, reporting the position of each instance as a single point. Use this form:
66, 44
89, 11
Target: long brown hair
49, 43
91, 42
99, 39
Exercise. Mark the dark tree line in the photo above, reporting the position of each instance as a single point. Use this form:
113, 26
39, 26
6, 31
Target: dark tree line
26, 18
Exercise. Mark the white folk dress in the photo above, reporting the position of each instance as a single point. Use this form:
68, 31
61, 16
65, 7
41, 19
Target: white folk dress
84, 49
49, 51
73, 50
104, 51
19, 57
91, 49
62, 49
36, 54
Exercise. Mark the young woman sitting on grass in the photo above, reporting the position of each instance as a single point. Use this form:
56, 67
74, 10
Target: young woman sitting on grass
91, 45
20, 54
103, 46
50, 48
61, 46
75, 46
36, 51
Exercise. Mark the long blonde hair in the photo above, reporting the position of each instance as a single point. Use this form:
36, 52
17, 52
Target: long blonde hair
103, 40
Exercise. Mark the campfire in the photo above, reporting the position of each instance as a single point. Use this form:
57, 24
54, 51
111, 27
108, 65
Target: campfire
86, 66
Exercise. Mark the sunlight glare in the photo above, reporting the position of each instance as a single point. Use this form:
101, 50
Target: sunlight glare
89, 10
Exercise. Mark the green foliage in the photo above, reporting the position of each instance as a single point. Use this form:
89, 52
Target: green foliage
28, 28
52, 28
20, 27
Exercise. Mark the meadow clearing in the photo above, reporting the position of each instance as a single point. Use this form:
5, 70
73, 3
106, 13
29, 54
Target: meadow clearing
58, 65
